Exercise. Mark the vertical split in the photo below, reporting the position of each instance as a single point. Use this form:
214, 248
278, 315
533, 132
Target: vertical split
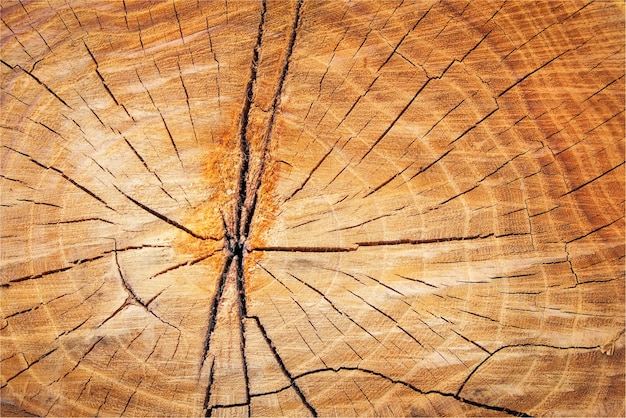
228, 310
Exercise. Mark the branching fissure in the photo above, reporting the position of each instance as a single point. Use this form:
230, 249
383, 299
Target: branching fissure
493, 353
415, 388
283, 368
238, 229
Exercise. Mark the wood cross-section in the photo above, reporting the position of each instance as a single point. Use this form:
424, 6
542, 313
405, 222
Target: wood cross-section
302, 208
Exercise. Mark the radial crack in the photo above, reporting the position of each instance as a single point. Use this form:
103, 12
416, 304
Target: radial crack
238, 230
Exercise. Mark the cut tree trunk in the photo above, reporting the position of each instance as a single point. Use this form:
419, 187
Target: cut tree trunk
312, 208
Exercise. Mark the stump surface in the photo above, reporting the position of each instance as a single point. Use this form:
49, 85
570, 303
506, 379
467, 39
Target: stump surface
312, 208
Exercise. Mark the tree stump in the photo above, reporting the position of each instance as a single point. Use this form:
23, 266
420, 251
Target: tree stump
312, 208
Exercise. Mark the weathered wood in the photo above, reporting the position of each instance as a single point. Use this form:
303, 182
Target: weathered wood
300, 208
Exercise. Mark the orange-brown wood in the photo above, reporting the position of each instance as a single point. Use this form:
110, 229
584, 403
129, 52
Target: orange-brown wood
312, 208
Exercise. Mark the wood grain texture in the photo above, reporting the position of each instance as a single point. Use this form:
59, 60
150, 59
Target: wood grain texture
312, 208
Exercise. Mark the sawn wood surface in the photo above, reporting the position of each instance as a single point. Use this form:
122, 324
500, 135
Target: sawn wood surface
334, 208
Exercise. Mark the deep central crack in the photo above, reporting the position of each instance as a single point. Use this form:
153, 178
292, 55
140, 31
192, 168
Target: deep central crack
228, 308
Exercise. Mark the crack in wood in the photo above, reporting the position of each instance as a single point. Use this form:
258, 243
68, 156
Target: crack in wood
29, 365
238, 231
414, 388
283, 368
493, 353
44, 85
323, 296
358, 245
165, 218
254, 142
63, 175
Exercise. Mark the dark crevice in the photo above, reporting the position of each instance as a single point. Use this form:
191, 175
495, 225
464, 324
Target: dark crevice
165, 218
242, 315
78, 221
17, 181
358, 99
403, 38
273, 276
271, 392
332, 148
208, 392
238, 230
508, 411
132, 295
34, 202
386, 315
364, 394
386, 182
308, 345
510, 160
345, 273
284, 369
23, 311
603, 88
36, 276
183, 264
235, 239
332, 304
225, 406
180, 28
182, 82
357, 245
83, 301
83, 389
468, 130
560, 22
422, 241
491, 354
303, 223
305, 249
457, 195
213, 312
169, 134
385, 285
472, 342
477, 45
106, 87
592, 180
361, 223
243, 140
402, 112
82, 357
605, 122
69, 331
329, 62
481, 316
513, 276
533, 72
63, 175
244, 223
142, 160
6, 382
44, 85
308, 318
104, 401
416, 280
54, 131
131, 396
39, 305
217, 62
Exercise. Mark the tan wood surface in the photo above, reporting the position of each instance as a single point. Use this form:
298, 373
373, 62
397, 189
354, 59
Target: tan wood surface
312, 208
